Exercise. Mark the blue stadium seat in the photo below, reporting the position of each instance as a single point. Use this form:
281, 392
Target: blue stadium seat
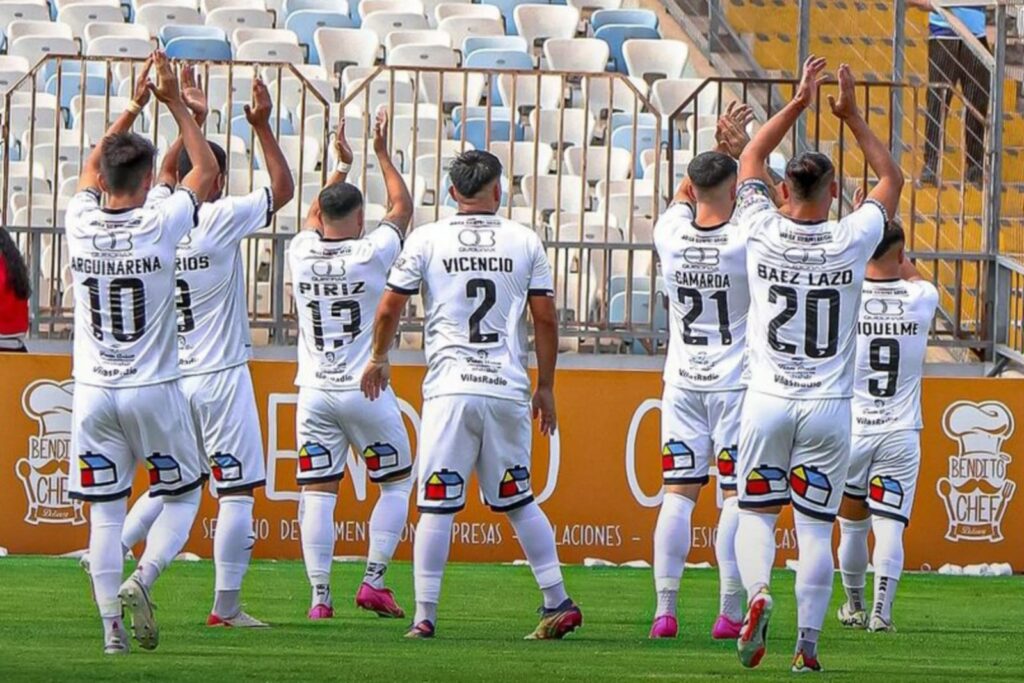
71, 85
626, 17
169, 33
498, 59
646, 138
617, 34
473, 43
71, 67
476, 131
292, 6
305, 23
508, 8
640, 313
198, 49
240, 126
474, 112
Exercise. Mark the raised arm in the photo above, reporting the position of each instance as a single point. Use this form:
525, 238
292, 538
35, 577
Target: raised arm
545, 330
378, 371
195, 100
90, 175
731, 130
754, 158
399, 202
890, 178
343, 155
282, 186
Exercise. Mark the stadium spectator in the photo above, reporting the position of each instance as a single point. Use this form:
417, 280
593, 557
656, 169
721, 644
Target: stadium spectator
951, 62
14, 293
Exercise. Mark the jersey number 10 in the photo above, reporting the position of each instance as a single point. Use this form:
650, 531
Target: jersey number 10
135, 289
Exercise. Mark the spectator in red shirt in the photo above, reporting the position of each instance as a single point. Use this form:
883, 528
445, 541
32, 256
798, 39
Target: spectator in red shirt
14, 293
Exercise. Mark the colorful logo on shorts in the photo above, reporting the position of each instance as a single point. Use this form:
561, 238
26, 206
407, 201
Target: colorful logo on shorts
226, 467
727, 462
96, 470
886, 490
380, 456
163, 469
676, 455
515, 482
810, 484
313, 456
444, 485
764, 481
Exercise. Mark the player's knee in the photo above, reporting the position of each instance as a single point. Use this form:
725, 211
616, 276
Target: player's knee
691, 491
190, 497
400, 487
237, 493
322, 487
854, 509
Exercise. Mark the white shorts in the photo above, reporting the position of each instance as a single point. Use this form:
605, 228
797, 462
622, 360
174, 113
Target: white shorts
883, 472
114, 430
223, 407
329, 422
696, 428
794, 450
464, 432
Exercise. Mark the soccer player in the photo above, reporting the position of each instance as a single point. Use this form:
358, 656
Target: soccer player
480, 273
128, 405
805, 273
214, 346
338, 276
897, 307
703, 259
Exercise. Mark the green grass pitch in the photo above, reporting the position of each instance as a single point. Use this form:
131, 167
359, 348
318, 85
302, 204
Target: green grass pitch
950, 628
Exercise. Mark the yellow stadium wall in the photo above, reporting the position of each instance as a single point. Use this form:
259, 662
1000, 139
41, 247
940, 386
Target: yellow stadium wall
598, 481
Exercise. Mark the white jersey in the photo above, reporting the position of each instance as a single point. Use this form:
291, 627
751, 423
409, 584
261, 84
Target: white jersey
213, 319
122, 262
477, 272
805, 284
705, 271
892, 341
337, 285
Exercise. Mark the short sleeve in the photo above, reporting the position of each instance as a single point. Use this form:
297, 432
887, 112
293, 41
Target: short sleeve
929, 297
867, 224
179, 213
668, 222
407, 273
542, 281
157, 194
753, 197
239, 217
82, 203
387, 242
296, 247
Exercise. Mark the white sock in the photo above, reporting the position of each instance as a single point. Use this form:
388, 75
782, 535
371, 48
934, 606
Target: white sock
232, 548
671, 546
140, 520
755, 549
730, 586
537, 539
430, 554
168, 535
814, 574
106, 561
386, 523
888, 563
317, 532
853, 559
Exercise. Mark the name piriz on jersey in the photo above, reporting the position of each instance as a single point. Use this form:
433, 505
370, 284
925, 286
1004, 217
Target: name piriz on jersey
332, 289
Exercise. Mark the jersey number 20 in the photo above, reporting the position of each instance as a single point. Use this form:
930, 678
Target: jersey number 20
814, 302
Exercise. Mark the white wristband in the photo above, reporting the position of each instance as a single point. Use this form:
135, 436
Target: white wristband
134, 107
342, 167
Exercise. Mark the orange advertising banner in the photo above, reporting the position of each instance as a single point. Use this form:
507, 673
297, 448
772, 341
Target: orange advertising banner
598, 479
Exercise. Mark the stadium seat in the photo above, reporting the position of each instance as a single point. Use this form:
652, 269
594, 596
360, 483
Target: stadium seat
423, 56
460, 113
169, 33
341, 47
198, 49
523, 161
156, 16
230, 18
418, 37
603, 163
548, 197
576, 54
243, 35
463, 28
473, 43
12, 68
34, 48
72, 84
22, 11
272, 51
23, 28
655, 59
119, 46
78, 15
668, 94
498, 59
368, 7
527, 92
627, 17
207, 6
304, 23
290, 7
646, 137
594, 5
508, 8
459, 9
383, 23
103, 29
574, 124
476, 132
539, 22
616, 35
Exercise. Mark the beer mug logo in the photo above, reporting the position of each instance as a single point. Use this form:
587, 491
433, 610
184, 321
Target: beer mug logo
44, 471
977, 491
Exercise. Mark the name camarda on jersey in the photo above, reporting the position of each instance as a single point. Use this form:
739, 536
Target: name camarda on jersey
892, 342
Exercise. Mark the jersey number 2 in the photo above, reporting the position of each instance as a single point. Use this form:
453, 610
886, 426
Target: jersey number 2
473, 289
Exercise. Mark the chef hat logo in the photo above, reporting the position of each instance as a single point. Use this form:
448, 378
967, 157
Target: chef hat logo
979, 427
49, 402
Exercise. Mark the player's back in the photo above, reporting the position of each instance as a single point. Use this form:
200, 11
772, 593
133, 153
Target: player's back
705, 271
892, 342
337, 285
805, 287
477, 271
122, 263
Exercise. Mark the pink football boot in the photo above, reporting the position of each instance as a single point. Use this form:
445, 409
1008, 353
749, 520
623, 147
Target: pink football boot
664, 626
379, 600
725, 628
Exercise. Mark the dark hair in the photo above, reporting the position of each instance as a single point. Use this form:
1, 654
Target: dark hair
892, 238
125, 161
472, 171
185, 164
708, 170
809, 175
17, 272
339, 200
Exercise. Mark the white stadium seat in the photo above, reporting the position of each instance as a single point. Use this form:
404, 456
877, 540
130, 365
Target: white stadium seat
367, 7
576, 54
78, 16
603, 163
527, 92
157, 15
593, 5
207, 6
460, 9
275, 51
12, 68
654, 59
101, 29
21, 29
343, 46
603, 91
575, 125
460, 28
524, 161
245, 34
34, 48
418, 37
24, 11
538, 22
383, 23
229, 18
548, 197
119, 46
669, 93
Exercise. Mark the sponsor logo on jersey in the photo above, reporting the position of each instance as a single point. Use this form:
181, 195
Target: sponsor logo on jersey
44, 469
727, 462
324, 268
805, 255
810, 484
313, 456
676, 455
163, 469
112, 240
477, 238
977, 490
444, 485
226, 467
884, 307
701, 256
96, 470
380, 456
764, 480
515, 482
886, 491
